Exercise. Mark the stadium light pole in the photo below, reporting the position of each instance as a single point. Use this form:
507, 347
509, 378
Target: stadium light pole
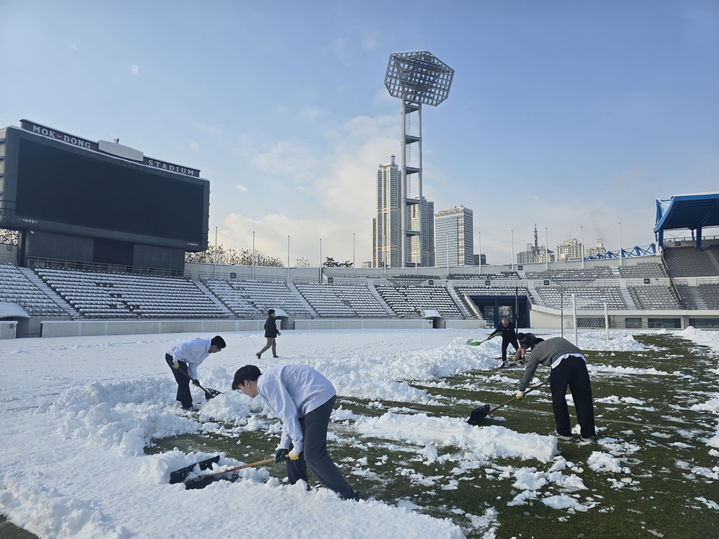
416, 78
216, 253
253, 254
479, 250
288, 258
320, 261
581, 250
621, 252
354, 250
546, 248
512, 230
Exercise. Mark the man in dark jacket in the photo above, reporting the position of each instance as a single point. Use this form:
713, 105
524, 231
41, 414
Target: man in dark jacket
271, 334
568, 368
506, 329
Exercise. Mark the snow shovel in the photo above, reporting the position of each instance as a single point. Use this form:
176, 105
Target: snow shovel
201, 481
470, 342
483, 411
209, 392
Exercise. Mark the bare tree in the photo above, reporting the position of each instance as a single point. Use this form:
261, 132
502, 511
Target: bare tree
222, 255
9, 237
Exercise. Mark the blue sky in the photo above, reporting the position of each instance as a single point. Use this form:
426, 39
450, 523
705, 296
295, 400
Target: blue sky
564, 114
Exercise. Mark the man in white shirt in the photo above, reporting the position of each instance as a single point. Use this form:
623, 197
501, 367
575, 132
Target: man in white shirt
184, 358
302, 399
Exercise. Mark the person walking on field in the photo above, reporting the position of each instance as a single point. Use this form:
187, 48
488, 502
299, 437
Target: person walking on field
184, 358
509, 336
568, 369
271, 334
303, 400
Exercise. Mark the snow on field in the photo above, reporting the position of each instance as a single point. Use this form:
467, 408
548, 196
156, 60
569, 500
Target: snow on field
75, 414
710, 339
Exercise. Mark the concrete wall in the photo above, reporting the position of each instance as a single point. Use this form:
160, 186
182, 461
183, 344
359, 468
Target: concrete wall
8, 329
86, 328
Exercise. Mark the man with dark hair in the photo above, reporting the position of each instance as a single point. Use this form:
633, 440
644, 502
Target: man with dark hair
568, 369
271, 334
506, 329
302, 399
184, 358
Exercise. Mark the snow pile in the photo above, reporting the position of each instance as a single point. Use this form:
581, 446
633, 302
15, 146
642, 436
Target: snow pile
484, 442
604, 462
620, 342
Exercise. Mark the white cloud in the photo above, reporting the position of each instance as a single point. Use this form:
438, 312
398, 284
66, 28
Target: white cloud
240, 187
309, 113
289, 158
134, 69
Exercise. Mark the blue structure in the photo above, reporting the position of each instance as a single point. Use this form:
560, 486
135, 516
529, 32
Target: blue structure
637, 250
694, 212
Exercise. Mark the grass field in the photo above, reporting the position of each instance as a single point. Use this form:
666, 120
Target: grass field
664, 478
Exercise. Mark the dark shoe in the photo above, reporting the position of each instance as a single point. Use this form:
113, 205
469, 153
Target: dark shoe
561, 436
587, 441
190, 408
275, 356
258, 355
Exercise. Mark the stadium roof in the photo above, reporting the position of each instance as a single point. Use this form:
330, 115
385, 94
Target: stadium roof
695, 212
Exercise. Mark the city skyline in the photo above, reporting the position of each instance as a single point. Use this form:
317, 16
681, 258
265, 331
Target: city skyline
564, 115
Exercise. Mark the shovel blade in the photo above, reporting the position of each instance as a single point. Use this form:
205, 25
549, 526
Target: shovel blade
178, 476
478, 414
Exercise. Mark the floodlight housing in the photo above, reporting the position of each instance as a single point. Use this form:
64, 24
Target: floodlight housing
418, 77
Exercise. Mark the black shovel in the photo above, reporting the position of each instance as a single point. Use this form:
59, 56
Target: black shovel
483, 411
209, 392
201, 481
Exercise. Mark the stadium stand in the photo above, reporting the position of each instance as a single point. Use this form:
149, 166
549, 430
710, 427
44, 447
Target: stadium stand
654, 297
691, 262
643, 270
503, 276
252, 299
16, 288
597, 272
710, 294
121, 296
589, 298
342, 300
405, 300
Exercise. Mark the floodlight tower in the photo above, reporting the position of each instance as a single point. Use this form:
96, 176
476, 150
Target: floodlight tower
417, 78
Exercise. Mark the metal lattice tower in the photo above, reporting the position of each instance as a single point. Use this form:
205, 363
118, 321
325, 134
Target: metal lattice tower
417, 78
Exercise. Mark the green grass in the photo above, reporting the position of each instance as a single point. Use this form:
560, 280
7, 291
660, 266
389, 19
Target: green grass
659, 501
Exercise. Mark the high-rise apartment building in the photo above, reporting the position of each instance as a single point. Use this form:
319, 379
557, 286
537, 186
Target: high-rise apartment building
386, 228
535, 253
569, 249
453, 237
423, 210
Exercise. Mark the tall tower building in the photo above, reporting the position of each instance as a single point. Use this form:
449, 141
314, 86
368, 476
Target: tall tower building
453, 241
424, 211
386, 227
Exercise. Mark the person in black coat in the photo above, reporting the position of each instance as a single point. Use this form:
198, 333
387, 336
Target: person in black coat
271, 334
509, 336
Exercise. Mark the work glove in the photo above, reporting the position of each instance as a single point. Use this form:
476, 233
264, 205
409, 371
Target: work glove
519, 395
196, 381
281, 455
294, 454
175, 365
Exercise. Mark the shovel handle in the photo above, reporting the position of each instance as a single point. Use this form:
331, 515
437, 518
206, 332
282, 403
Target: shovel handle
235, 468
505, 403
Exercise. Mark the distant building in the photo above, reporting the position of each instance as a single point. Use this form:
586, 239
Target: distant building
476, 259
453, 237
386, 226
425, 211
598, 249
386, 229
535, 253
569, 249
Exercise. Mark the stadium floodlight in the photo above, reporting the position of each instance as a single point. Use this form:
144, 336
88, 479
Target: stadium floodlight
417, 78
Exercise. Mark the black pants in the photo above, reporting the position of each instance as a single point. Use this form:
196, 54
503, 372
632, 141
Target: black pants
572, 372
182, 377
506, 343
314, 428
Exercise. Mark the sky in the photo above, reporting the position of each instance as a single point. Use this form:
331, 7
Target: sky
574, 116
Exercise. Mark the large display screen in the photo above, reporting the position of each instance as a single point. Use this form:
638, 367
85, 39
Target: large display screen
76, 187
